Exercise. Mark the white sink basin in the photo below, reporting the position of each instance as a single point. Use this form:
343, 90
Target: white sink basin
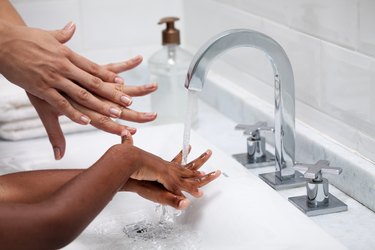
238, 210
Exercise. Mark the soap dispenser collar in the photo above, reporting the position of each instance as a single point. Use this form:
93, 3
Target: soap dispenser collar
170, 34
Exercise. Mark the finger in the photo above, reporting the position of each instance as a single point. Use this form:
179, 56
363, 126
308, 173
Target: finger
51, 124
178, 157
126, 137
55, 135
132, 115
204, 180
135, 116
192, 185
63, 105
198, 162
186, 173
65, 34
87, 99
140, 90
111, 92
103, 122
92, 68
156, 192
124, 66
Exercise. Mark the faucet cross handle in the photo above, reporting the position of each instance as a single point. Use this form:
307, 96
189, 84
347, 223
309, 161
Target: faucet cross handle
254, 129
315, 171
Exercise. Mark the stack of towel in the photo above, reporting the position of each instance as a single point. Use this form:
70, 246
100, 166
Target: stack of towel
18, 118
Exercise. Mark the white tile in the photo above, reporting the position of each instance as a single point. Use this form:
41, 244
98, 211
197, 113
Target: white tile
304, 55
348, 89
334, 20
117, 23
52, 15
275, 10
366, 27
203, 23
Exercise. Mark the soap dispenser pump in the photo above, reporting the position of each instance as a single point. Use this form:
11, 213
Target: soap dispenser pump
168, 67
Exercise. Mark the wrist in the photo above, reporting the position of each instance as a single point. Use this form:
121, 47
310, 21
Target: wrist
130, 186
126, 156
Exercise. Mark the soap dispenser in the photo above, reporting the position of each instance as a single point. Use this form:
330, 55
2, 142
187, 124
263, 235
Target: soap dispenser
168, 67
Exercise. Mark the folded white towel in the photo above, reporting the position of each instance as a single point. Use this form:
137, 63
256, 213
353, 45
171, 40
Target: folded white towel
18, 118
33, 128
14, 104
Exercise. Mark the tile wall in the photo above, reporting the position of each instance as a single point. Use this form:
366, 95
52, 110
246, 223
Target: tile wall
103, 25
330, 44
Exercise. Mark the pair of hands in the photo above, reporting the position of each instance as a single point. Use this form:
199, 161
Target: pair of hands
163, 182
58, 82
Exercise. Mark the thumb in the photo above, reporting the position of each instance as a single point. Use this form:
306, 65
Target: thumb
65, 34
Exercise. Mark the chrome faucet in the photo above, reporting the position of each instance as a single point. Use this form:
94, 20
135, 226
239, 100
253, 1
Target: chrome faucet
285, 176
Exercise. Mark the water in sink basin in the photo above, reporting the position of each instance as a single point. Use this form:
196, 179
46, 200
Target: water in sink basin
140, 230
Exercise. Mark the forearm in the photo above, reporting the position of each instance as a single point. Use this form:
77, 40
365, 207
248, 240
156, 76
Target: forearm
9, 13
69, 209
39, 185
34, 186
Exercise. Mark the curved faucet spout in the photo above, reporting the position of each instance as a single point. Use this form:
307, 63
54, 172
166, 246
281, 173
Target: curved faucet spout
284, 86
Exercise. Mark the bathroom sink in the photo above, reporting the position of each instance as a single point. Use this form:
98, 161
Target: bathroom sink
238, 210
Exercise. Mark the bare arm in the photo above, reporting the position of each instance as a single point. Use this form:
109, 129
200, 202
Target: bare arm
48, 209
61, 82
36, 186
56, 221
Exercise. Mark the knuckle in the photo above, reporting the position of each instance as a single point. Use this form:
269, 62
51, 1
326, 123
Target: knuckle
63, 104
115, 95
63, 65
103, 120
50, 76
84, 95
120, 87
93, 68
96, 83
111, 76
64, 50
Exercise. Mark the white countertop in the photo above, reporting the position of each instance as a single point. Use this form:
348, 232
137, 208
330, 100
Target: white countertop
355, 228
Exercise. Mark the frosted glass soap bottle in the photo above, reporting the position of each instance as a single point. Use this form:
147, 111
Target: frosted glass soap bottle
168, 67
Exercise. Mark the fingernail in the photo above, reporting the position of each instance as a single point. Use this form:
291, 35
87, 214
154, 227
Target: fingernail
69, 26
119, 79
85, 119
125, 132
151, 86
149, 115
132, 130
127, 100
183, 204
57, 153
114, 111
202, 173
214, 173
203, 155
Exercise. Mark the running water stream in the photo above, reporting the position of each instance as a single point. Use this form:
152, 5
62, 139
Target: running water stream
169, 214
191, 108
